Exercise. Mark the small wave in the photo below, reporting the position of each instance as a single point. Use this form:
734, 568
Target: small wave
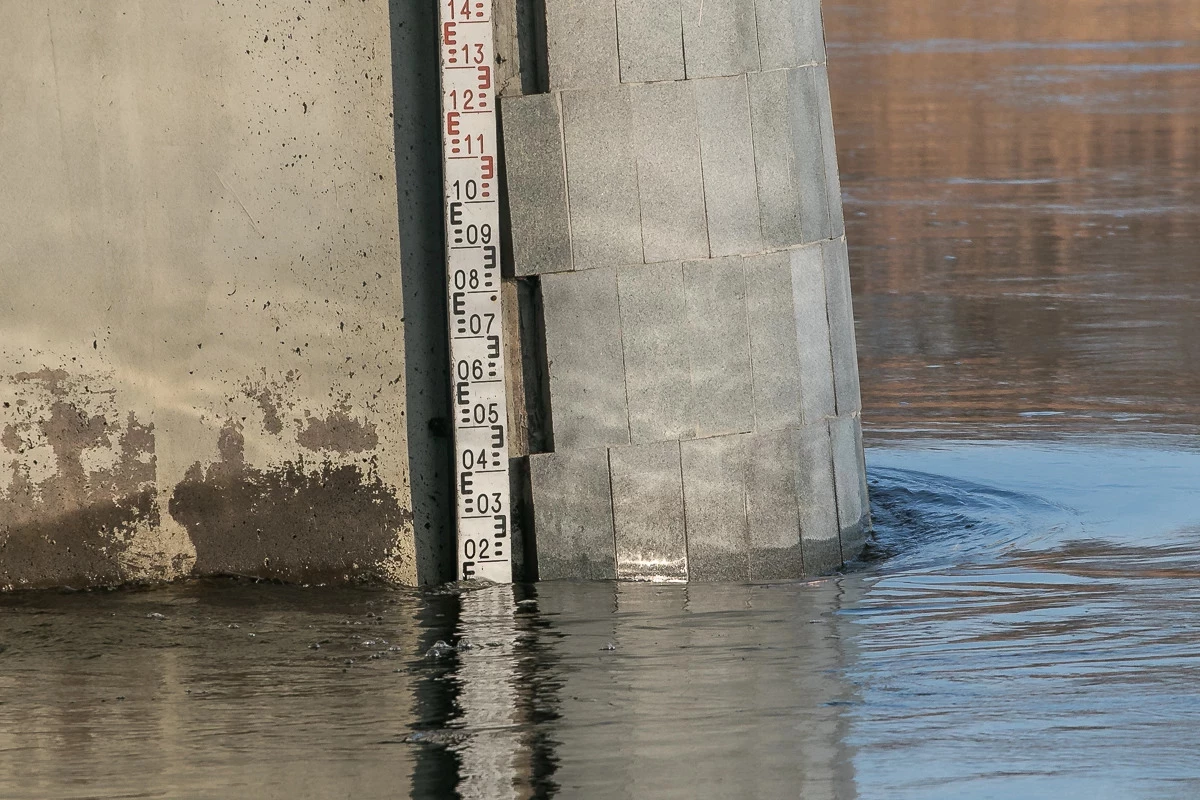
932, 521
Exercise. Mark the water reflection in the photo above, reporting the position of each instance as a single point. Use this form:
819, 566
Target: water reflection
196, 692
641, 719
1023, 210
629, 691
486, 727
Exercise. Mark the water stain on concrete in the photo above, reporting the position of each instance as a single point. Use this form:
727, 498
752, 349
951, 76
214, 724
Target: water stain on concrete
298, 522
338, 433
11, 440
272, 422
63, 523
274, 399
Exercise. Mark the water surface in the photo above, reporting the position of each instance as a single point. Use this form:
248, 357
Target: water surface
1022, 192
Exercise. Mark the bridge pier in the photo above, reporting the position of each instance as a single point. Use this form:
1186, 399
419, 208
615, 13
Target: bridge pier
691, 377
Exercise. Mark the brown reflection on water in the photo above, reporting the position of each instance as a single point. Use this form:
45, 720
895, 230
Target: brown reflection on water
1022, 184
576, 690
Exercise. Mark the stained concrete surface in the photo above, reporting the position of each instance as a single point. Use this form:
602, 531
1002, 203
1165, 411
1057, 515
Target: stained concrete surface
200, 237
78, 493
301, 523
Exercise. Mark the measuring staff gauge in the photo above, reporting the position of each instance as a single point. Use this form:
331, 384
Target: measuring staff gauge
480, 415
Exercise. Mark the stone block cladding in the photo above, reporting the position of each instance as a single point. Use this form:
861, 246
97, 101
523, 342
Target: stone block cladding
675, 196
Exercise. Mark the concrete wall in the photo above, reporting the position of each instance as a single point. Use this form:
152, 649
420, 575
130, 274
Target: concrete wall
675, 204
202, 355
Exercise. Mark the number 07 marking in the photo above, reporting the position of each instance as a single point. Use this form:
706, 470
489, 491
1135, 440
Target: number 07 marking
480, 412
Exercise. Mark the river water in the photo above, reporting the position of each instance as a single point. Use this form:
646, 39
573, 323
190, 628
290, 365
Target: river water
1022, 182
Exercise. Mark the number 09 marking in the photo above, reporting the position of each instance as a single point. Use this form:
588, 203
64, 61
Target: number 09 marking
482, 504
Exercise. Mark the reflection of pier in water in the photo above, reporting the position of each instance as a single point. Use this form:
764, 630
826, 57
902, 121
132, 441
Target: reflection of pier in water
1021, 184
694, 698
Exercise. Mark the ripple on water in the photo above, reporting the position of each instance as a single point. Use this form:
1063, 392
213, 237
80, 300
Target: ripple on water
1030, 645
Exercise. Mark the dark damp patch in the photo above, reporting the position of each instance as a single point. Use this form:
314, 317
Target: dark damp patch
73, 527
821, 556
271, 419
76, 548
338, 433
10, 440
300, 523
56, 381
272, 398
777, 563
712, 563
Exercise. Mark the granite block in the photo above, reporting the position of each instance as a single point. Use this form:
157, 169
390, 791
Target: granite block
537, 184
581, 43
650, 40
841, 326
833, 181
714, 492
727, 155
657, 369
602, 178
850, 475
790, 33
719, 346
772, 506
775, 171
774, 346
586, 363
815, 493
720, 37
817, 397
808, 154
647, 492
573, 521
669, 174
